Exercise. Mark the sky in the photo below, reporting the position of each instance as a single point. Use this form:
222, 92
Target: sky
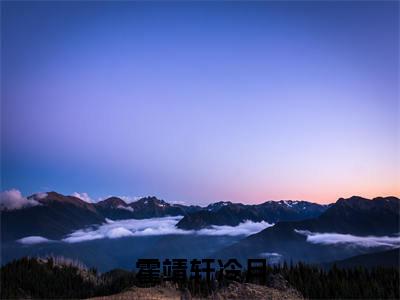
201, 101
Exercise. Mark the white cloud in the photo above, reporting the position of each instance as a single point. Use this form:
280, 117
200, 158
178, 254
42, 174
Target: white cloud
156, 226
178, 202
130, 199
125, 207
13, 199
83, 196
119, 232
31, 240
270, 254
113, 229
83, 236
351, 240
245, 228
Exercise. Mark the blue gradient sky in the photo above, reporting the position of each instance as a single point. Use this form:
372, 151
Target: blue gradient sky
200, 102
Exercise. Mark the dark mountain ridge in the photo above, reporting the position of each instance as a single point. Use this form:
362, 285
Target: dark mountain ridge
358, 216
354, 216
112, 202
56, 216
228, 213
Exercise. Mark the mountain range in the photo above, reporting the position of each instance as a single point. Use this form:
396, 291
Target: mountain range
228, 213
57, 214
349, 227
301, 231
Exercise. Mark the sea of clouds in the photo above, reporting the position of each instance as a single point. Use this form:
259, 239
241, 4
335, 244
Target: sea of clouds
149, 227
351, 240
158, 226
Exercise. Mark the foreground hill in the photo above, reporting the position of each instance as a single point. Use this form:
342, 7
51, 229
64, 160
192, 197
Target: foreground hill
51, 278
347, 217
228, 213
64, 278
235, 290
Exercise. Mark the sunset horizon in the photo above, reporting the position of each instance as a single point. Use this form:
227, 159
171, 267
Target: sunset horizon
200, 105
131, 198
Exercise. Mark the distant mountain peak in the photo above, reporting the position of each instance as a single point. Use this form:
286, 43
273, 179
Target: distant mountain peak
353, 199
56, 197
228, 213
289, 203
151, 200
387, 199
223, 202
112, 202
218, 205
358, 202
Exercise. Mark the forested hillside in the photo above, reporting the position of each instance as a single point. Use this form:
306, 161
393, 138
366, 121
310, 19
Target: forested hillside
63, 278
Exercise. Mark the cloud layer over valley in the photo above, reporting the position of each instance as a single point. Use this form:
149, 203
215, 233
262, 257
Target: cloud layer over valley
350, 240
157, 226
148, 227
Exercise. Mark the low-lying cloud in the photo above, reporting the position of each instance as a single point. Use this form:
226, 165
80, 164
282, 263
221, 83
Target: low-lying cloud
124, 228
128, 208
270, 254
245, 228
351, 240
13, 199
32, 240
157, 226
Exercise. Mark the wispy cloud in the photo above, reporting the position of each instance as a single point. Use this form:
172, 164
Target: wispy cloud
349, 239
178, 202
270, 254
157, 226
13, 199
32, 240
125, 207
